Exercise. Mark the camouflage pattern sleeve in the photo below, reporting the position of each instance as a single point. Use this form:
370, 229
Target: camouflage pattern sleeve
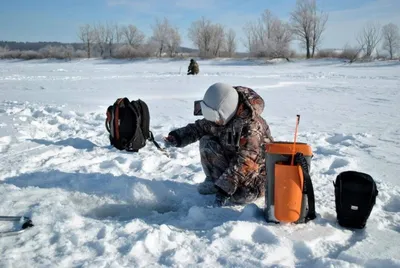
191, 132
244, 169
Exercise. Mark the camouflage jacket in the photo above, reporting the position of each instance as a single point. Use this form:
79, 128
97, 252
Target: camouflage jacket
243, 140
193, 67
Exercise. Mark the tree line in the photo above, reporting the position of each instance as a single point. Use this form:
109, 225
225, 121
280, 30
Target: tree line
127, 41
266, 36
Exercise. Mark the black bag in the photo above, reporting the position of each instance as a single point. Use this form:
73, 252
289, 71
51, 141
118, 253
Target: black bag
128, 124
355, 196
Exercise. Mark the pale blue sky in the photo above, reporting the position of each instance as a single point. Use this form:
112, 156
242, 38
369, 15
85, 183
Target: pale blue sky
57, 20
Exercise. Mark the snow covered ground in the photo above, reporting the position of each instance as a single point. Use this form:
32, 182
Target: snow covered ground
94, 206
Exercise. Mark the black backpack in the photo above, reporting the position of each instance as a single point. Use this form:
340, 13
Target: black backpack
128, 125
355, 196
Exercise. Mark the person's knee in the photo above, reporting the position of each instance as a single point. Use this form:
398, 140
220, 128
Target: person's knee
212, 152
207, 141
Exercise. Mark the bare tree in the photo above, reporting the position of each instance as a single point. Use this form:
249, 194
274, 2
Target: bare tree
231, 42
319, 22
201, 34
86, 35
279, 42
166, 37
251, 41
174, 41
307, 25
133, 36
118, 34
262, 32
369, 38
268, 36
209, 38
114, 36
247, 41
217, 39
101, 37
391, 39
302, 24
160, 34
266, 24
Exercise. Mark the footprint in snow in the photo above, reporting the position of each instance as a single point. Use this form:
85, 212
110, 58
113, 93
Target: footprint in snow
339, 163
302, 250
102, 233
393, 205
52, 110
262, 235
327, 152
63, 127
5, 143
340, 139
336, 164
38, 113
120, 160
53, 122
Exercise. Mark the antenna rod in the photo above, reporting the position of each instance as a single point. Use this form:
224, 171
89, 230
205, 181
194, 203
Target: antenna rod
295, 139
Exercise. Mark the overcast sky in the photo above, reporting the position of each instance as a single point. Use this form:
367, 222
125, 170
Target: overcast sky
56, 20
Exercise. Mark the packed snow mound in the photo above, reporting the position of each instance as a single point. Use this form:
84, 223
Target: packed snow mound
95, 206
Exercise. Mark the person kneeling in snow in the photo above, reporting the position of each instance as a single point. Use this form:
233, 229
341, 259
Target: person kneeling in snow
232, 138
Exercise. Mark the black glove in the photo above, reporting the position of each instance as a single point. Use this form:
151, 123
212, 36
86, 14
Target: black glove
221, 198
170, 140
173, 139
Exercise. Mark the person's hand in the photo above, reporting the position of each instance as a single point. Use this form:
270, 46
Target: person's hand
170, 140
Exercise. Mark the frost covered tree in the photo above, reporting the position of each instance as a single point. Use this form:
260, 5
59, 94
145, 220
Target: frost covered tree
107, 36
174, 41
209, 38
114, 36
250, 41
199, 33
308, 25
369, 38
132, 36
160, 35
166, 37
391, 39
218, 39
231, 45
281, 36
101, 37
268, 36
87, 36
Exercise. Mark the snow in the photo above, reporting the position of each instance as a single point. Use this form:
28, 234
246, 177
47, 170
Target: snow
95, 206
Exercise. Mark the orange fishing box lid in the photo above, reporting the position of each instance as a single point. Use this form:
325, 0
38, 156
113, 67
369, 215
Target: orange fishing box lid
281, 147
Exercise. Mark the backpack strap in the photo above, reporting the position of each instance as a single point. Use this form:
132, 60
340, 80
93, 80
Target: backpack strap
151, 138
308, 188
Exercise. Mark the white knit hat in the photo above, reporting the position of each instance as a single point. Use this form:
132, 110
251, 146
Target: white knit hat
220, 102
